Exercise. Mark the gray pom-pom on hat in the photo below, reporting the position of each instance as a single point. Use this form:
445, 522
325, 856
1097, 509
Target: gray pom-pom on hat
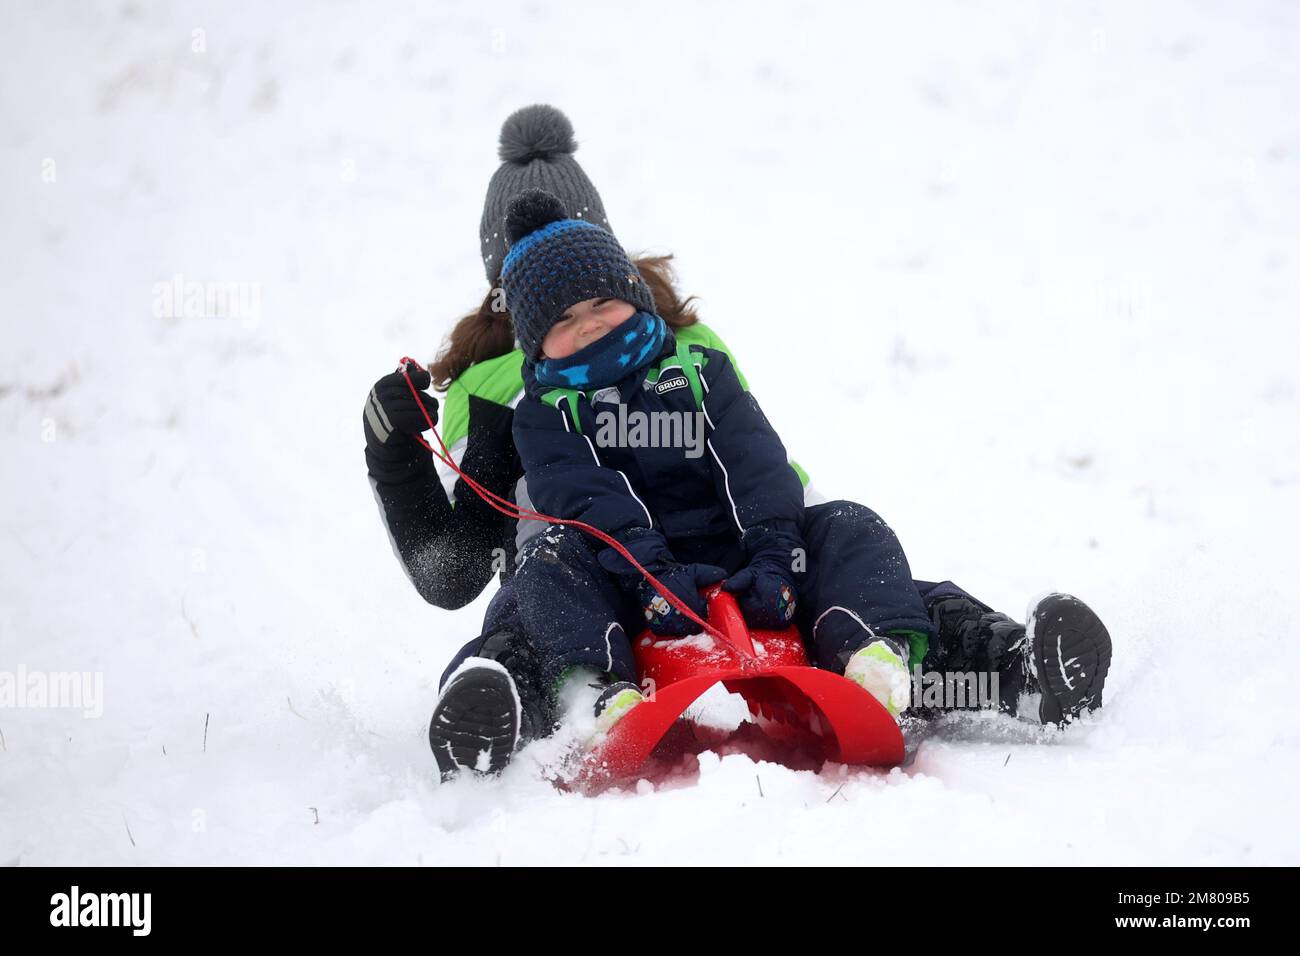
535, 132
536, 150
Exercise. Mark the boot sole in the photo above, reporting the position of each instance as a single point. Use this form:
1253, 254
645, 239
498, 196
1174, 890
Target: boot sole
475, 724
1071, 653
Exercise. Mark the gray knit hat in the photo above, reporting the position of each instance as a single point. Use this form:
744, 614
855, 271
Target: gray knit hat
536, 151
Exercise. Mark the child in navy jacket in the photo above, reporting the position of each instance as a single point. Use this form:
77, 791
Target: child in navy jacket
659, 446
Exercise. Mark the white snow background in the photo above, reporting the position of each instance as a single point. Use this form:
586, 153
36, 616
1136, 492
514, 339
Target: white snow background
1023, 279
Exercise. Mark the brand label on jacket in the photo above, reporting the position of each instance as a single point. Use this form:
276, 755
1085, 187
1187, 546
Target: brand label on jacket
672, 383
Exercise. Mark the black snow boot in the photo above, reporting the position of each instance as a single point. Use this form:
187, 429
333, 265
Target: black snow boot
1051, 671
1069, 656
973, 639
490, 706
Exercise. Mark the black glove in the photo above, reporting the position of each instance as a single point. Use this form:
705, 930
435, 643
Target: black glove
685, 582
765, 588
391, 420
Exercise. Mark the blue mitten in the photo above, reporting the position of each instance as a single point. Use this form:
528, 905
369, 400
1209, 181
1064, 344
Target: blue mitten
685, 582
764, 588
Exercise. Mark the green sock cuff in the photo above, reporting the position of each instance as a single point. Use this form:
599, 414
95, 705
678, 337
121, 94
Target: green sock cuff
574, 669
918, 642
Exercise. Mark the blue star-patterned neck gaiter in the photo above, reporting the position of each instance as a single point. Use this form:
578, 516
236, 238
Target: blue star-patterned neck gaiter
609, 359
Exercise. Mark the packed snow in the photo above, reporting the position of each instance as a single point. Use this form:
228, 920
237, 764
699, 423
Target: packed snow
1023, 280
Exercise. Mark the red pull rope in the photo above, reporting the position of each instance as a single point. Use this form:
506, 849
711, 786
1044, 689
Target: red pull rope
512, 510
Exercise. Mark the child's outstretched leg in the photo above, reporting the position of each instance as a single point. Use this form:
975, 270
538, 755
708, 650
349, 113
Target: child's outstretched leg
858, 605
1052, 671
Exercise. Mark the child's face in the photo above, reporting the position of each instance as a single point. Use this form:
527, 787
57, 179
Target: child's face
583, 324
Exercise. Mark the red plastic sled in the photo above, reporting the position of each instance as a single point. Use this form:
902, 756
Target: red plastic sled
790, 699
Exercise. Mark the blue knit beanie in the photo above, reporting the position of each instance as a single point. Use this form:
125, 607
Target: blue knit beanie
555, 262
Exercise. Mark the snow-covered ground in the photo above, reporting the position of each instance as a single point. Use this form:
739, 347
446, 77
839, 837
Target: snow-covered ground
1025, 282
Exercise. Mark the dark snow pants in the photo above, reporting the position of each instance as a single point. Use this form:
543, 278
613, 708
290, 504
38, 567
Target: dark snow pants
853, 581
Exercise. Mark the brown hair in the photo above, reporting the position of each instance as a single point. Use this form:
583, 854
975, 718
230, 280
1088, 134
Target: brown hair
486, 332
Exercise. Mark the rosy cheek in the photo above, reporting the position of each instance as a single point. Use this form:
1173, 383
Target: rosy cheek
556, 345
569, 341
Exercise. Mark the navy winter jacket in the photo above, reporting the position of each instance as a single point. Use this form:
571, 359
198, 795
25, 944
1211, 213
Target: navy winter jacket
729, 491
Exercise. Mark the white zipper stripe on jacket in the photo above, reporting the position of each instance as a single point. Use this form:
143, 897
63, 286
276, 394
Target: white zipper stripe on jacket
650, 522
726, 478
